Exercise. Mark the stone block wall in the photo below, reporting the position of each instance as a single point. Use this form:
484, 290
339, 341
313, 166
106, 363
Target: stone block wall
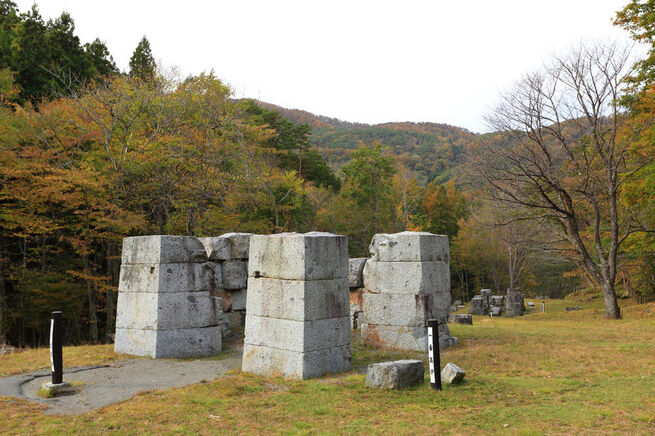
166, 304
297, 312
407, 282
514, 303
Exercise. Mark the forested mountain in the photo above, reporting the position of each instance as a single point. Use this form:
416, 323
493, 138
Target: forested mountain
431, 150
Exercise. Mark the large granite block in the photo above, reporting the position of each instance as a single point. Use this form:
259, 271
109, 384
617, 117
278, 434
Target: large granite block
298, 300
239, 244
299, 256
235, 274
395, 375
156, 249
269, 361
239, 299
355, 270
409, 247
179, 343
405, 309
302, 336
165, 311
404, 337
407, 277
173, 277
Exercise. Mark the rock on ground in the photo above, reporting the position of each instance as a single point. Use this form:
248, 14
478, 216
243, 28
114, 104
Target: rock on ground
452, 374
395, 375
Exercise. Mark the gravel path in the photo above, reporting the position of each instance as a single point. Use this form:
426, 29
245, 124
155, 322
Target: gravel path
107, 384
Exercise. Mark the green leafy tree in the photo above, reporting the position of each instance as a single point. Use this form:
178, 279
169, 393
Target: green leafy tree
142, 63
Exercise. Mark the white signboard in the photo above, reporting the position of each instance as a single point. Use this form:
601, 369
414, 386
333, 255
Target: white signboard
52, 329
433, 377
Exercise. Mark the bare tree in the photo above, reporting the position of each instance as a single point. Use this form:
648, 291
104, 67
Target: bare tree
559, 159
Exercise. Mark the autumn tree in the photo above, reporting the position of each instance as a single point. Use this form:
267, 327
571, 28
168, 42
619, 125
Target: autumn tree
561, 161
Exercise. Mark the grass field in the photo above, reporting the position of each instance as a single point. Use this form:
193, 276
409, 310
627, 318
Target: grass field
545, 373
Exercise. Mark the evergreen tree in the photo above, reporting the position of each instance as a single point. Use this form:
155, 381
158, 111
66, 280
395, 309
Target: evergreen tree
142, 64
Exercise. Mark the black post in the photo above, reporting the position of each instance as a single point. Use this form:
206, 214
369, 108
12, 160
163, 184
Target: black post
56, 359
433, 354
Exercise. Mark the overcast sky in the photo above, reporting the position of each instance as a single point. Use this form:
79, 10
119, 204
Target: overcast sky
366, 61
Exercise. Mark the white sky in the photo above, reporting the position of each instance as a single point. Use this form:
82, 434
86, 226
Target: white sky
365, 61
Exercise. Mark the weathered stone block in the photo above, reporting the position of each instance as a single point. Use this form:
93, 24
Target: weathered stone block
484, 292
239, 299
452, 374
157, 249
299, 256
169, 310
269, 361
355, 270
460, 318
496, 310
218, 248
179, 343
298, 300
406, 309
496, 300
409, 247
239, 244
235, 274
514, 305
407, 277
395, 375
403, 337
173, 277
478, 305
302, 336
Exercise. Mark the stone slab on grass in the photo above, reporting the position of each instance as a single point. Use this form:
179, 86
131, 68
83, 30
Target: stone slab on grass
460, 318
452, 374
409, 247
269, 361
395, 375
299, 256
407, 277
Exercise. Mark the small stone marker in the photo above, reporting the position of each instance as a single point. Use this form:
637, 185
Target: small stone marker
395, 375
452, 374
531, 304
461, 318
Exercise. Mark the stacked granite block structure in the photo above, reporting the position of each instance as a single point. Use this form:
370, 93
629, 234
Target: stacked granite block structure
231, 252
297, 316
407, 282
514, 303
166, 306
496, 303
479, 305
356, 284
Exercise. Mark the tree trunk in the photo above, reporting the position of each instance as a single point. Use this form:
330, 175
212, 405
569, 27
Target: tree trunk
612, 310
3, 338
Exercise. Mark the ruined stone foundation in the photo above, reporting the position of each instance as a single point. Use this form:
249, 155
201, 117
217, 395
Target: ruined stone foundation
407, 282
297, 311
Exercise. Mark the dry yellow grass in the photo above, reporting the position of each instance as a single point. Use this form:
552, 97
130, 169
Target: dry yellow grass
545, 373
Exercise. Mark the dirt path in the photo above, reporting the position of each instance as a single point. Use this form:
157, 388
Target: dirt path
107, 384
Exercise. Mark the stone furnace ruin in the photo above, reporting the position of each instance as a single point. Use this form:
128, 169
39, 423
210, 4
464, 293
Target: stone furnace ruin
299, 295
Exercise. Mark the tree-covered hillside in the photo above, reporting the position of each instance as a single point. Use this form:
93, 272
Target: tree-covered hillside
430, 150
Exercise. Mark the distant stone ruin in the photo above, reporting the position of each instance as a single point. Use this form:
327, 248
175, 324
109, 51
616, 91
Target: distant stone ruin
406, 282
514, 303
